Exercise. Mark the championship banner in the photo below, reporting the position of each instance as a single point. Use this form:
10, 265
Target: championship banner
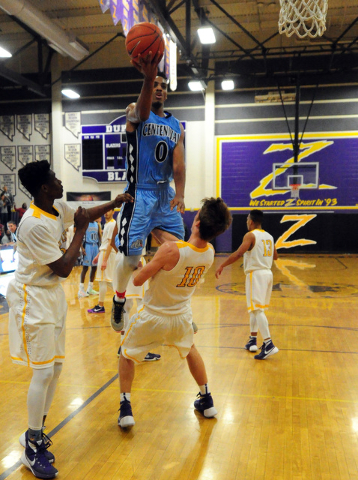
130, 12
257, 171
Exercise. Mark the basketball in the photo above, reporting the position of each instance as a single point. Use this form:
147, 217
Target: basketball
143, 38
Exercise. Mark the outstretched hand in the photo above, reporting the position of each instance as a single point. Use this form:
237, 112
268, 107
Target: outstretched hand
178, 203
123, 198
147, 65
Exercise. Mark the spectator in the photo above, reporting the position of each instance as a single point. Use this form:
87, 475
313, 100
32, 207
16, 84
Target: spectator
10, 201
3, 208
21, 210
11, 225
6, 239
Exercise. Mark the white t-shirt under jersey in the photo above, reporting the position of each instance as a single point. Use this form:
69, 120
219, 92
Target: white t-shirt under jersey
261, 256
39, 237
170, 291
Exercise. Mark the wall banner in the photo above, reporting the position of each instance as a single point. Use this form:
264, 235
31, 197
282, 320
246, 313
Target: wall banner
87, 200
245, 171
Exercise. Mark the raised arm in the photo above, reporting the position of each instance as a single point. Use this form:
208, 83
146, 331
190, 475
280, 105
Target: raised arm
179, 174
140, 111
247, 244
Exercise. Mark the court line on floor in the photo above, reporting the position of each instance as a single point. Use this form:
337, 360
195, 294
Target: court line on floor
229, 325
64, 422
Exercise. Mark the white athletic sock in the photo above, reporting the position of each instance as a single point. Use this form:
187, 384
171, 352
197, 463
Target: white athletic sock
204, 389
119, 299
125, 396
90, 285
82, 286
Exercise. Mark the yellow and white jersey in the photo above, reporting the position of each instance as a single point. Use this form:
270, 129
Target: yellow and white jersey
170, 291
261, 256
39, 237
107, 234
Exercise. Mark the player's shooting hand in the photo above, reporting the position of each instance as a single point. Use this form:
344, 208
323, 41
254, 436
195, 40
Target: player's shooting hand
147, 65
123, 198
81, 218
178, 203
218, 271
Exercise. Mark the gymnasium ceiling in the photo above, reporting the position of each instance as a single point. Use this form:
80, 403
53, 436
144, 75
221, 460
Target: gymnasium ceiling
246, 31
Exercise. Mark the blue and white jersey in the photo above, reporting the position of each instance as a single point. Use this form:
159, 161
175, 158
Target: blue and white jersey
150, 150
91, 236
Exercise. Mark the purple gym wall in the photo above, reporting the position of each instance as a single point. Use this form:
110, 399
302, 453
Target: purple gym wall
244, 169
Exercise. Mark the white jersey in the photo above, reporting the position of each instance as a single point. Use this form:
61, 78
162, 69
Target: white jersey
261, 256
39, 238
107, 234
170, 291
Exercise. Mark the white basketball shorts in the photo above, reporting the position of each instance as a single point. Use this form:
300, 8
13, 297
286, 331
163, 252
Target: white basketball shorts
258, 289
145, 332
37, 324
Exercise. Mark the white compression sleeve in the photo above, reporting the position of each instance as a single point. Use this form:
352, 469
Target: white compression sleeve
124, 270
102, 291
262, 324
52, 387
253, 322
36, 396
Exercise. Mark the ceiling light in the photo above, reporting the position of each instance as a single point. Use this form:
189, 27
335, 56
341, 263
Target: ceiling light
70, 93
227, 85
4, 53
196, 85
206, 35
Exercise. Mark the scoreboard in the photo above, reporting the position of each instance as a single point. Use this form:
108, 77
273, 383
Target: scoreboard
104, 150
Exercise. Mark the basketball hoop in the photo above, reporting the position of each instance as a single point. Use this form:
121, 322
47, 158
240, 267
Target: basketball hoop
303, 17
295, 190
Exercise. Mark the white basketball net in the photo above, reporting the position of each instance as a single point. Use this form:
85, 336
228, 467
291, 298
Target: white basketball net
303, 17
295, 191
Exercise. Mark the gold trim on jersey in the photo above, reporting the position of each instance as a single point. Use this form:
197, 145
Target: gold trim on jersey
182, 244
47, 361
252, 305
23, 325
131, 325
180, 355
38, 212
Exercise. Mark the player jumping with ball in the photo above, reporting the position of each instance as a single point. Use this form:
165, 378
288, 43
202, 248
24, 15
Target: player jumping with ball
155, 156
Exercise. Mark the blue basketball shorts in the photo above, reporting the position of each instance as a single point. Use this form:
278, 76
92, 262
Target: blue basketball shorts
91, 252
150, 209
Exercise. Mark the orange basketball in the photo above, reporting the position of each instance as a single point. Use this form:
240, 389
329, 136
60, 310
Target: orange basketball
143, 38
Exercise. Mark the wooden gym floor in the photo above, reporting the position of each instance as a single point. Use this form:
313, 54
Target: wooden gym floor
292, 416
